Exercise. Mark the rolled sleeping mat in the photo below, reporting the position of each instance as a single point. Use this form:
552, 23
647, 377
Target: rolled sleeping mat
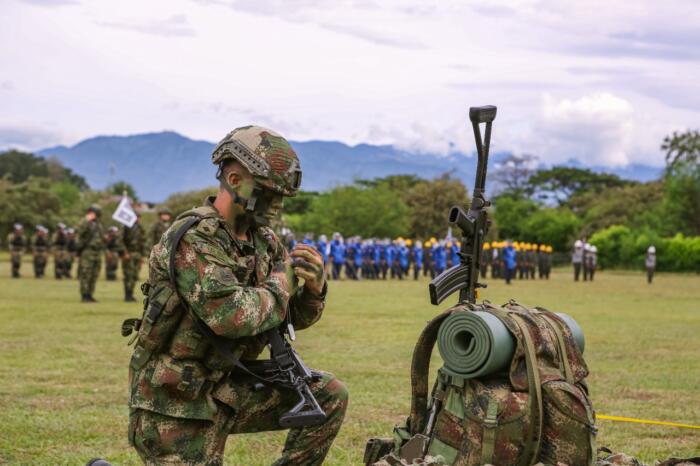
476, 343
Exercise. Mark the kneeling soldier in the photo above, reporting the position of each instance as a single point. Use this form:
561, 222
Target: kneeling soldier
220, 274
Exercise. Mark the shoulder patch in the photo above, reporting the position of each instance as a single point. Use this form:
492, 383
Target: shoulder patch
208, 226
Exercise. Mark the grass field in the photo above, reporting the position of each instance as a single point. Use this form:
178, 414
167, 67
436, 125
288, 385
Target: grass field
63, 364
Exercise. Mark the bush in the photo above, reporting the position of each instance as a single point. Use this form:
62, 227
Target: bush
620, 247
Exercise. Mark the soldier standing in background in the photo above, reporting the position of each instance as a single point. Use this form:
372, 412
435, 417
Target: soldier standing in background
113, 249
71, 251
40, 250
577, 258
592, 261
17, 244
134, 250
485, 259
496, 260
165, 219
650, 263
90, 246
59, 244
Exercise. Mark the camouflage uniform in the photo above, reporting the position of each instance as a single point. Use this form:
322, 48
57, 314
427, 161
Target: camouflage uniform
72, 251
17, 244
113, 249
40, 251
59, 246
159, 227
134, 242
186, 398
90, 238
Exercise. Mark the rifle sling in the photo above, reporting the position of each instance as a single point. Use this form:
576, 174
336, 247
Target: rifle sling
420, 366
220, 343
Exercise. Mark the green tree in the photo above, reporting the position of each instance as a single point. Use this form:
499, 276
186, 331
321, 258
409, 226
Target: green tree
355, 210
559, 184
19, 166
430, 202
682, 180
118, 188
556, 227
511, 213
30, 202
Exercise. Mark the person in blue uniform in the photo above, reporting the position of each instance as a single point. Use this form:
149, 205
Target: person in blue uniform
337, 255
351, 248
417, 259
402, 253
509, 261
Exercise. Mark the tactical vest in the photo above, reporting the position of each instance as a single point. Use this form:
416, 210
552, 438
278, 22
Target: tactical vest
175, 352
536, 411
41, 244
60, 241
17, 243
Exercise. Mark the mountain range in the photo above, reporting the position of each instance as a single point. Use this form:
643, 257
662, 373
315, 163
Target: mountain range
160, 164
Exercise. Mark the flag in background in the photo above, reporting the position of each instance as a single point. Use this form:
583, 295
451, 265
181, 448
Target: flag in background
125, 213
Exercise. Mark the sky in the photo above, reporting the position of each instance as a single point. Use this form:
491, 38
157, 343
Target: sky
598, 81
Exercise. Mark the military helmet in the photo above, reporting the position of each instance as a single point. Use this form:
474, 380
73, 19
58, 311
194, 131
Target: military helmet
96, 209
18, 226
265, 154
165, 211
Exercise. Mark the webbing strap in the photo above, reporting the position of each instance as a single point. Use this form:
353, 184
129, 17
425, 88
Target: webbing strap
420, 366
221, 344
561, 343
488, 441
532, 447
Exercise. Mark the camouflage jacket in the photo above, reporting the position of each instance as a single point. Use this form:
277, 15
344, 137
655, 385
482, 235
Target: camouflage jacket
59, 241
90, 235
16, 243
40, 243
228, 284
134, 239
157, 231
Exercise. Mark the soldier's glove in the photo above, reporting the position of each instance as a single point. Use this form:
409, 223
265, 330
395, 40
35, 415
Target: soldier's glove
308, 266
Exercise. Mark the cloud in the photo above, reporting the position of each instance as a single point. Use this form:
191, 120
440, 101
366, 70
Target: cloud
7, 85
26, 137
595, 129
338, 17
176, 25
51, 3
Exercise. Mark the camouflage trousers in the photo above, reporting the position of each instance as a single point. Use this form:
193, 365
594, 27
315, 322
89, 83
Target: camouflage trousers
89, 270
111, 265
130, 269
60, 264
40, 259
16, 259
164, 440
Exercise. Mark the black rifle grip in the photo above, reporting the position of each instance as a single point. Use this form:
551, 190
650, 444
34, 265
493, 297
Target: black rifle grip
485, 114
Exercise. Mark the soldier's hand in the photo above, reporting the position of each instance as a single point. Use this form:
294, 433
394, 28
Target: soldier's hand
308, 265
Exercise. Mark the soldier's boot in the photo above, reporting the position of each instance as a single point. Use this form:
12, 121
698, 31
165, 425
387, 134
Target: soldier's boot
129, 297
92, 300
85, 298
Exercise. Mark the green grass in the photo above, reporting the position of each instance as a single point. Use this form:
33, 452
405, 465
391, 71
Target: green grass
63, 364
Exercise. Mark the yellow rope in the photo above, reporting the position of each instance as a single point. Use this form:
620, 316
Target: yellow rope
645, 421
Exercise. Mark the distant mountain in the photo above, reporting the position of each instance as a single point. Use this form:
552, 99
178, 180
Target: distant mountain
159, 164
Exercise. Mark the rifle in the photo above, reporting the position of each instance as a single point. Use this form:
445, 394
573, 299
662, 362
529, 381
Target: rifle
290, 371
474, 224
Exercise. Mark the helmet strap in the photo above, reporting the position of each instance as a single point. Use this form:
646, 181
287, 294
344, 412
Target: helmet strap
255, 206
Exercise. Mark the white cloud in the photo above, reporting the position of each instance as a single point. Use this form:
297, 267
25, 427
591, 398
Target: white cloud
595, 129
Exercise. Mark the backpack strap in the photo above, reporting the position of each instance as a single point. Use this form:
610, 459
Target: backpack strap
534, 394
220, 343
561, 344
420, 366
488, 443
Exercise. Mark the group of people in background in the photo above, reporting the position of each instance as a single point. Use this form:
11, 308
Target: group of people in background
584, 259
358, 258
87, 243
